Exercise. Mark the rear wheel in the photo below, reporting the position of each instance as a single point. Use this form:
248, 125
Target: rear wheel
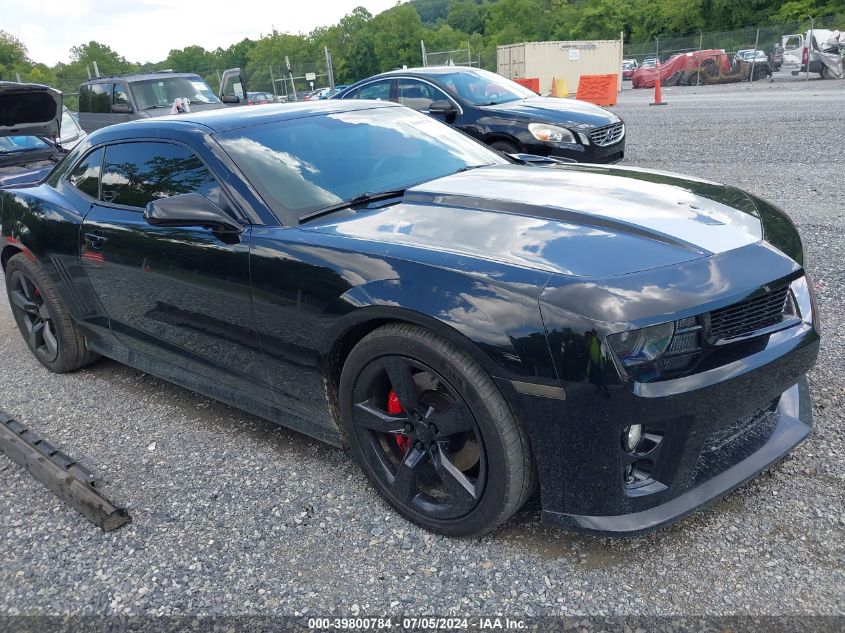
433, 433
45, 325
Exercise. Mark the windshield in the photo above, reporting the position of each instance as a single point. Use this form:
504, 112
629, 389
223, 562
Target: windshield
11, 144
481, 87
306, 164
161, 92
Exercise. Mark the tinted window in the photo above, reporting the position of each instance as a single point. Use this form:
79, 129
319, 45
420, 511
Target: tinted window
84, 98
137, 173
120, 95
378, 90
98, 98
86, 175
418, 94
313, 162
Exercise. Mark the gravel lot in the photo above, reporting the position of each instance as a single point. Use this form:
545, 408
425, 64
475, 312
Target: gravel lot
233, 515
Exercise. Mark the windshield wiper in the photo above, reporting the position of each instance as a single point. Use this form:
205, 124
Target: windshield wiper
153, 107
361, 198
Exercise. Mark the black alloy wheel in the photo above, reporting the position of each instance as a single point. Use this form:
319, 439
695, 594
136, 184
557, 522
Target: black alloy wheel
45, 324
33, 315
433, 433
422, 436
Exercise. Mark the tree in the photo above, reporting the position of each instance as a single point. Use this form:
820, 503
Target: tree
466, 16
191, 59
108, 61
397, 35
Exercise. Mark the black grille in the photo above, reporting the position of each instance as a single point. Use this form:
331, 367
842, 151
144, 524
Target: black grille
746, 317
607, 135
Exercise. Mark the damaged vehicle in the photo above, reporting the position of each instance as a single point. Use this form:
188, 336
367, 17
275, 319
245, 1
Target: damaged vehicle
633, 342
36, 131
820, 51
705, 67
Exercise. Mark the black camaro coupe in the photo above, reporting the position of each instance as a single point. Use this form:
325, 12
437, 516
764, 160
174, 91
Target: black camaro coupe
635, 343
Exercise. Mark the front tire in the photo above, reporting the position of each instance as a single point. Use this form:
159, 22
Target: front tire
506, 147
43, 321
433, 433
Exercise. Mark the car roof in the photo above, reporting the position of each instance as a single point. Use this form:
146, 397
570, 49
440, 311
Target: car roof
139, 76
429, 70
232, 118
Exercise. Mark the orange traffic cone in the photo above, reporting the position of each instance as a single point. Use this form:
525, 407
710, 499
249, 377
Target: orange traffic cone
658, 99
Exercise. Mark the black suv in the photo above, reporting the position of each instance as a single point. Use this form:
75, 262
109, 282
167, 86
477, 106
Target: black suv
107, 100
501, 113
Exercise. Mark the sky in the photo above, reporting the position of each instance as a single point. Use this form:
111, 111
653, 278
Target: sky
146, 30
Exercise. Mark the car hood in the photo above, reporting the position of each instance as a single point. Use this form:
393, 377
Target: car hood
568, 112
29, 110
582, 220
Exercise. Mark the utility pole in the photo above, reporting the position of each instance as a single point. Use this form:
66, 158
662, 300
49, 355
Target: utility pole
290, 74
329, 67
754, 59
700, 46
273, 82
807, 44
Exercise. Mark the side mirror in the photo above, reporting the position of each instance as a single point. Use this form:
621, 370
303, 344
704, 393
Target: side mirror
190, 209
230, 99
122, 108
444, 107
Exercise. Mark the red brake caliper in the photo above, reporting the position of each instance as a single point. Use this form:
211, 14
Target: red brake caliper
394, 407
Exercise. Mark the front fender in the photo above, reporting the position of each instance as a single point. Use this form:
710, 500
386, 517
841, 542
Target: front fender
500, 327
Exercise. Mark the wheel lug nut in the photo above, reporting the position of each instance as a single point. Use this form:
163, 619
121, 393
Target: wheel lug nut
409, 428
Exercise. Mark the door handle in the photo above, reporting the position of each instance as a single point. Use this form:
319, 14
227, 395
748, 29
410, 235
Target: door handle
95, 240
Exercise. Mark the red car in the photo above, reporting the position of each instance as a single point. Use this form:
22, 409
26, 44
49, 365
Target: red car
259, 98
683, 69
628, 68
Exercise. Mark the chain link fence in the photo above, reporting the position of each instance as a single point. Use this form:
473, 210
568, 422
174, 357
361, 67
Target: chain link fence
782, 53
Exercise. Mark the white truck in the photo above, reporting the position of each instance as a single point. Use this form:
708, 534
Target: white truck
821, 49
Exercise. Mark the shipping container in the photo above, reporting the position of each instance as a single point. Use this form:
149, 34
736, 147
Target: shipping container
560, 60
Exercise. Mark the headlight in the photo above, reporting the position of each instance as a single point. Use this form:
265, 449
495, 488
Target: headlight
636, 347
550, 133
802, 290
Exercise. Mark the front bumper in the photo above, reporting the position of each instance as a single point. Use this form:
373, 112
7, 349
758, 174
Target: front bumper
580, 153
719, 429
795, 420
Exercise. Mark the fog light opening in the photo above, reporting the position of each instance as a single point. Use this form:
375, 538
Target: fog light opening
631, 437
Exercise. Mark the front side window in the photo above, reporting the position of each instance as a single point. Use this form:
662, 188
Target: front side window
418, 94
120, 95
135, 174
306, 164
378, 91
86, 175
162, 92
69, 125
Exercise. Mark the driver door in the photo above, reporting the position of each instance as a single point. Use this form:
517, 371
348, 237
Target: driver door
233, 87
179, 295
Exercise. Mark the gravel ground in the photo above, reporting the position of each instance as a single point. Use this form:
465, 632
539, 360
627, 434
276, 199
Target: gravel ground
233, 515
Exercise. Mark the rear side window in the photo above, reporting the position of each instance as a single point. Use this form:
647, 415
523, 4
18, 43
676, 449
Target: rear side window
95, 98
86, 175
135, 174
